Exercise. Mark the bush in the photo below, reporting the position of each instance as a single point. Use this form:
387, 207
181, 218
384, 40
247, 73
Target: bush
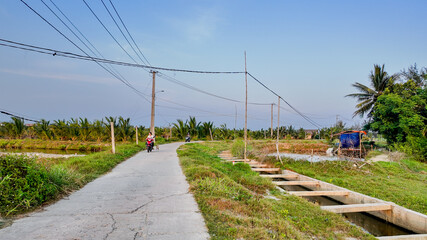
238, 148
25, 184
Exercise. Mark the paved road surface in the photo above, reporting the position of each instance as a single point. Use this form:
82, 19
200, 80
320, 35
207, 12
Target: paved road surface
145, 197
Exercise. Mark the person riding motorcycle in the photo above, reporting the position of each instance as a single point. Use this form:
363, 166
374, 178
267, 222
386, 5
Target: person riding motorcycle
150, 142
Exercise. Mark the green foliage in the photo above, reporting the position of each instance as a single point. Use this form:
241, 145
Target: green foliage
18, 126
367, 97
43, 130
238, 148
25, 184
401, 116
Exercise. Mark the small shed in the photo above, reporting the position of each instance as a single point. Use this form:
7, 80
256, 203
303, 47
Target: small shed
351, 143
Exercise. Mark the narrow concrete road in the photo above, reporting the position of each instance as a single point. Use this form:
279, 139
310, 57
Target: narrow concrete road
145, 197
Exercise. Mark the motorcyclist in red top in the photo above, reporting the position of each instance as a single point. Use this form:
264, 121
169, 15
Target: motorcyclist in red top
150, 142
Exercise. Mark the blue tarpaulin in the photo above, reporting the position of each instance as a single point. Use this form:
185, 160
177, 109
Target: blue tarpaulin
350, 140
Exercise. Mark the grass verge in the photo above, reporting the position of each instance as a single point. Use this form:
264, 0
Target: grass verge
53, 145
402, 182
26, 183
239, 204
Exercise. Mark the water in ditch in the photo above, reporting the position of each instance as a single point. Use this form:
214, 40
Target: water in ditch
374, 225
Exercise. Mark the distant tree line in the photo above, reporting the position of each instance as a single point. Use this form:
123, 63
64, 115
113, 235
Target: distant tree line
81, 129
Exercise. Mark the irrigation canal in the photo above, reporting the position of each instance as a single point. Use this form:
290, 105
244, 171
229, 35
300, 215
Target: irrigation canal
370, 214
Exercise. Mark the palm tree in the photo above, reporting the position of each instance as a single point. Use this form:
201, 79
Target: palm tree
60, 129
193, 126
125, 130
85, 129
367, 97
18, 126
181, 128
42, 128
206, 129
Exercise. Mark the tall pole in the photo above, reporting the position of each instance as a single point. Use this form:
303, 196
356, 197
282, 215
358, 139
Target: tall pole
271, 121
235, 120
136, 134
246, 108
113, 144
278, 131
153, 97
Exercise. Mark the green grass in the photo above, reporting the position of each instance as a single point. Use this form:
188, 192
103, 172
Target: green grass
233, 201
53, 145
403, 182
26, 183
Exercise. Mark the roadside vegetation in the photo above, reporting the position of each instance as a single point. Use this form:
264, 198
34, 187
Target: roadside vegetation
239, 204
26, 183
396, 107
402, 181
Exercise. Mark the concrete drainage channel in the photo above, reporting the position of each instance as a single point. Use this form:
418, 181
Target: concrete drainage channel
384, 220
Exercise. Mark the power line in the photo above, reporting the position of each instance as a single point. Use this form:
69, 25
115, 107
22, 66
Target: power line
87, 55
13, 115
129, 32
89, 42
106, 29
296, 110
103, 60
76, 34
115, 22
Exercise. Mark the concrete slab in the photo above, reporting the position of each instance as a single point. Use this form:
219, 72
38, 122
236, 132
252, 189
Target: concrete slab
296, 183
368, 207
401, 237
319, 193
145, 197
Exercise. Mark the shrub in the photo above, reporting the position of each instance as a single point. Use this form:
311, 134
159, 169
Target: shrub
25, 184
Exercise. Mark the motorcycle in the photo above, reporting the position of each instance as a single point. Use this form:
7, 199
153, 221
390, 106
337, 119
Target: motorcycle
149, 144
187, 139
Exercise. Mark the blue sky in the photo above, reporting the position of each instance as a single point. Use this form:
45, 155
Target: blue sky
309, 52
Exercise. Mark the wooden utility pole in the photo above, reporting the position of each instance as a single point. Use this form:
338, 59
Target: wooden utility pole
136, 134
210, 132
113, 143
272, 121
246, 108
278, 131
153, 102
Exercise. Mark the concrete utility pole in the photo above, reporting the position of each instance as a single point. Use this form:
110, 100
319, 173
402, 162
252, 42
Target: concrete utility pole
153, 97
235, 120
246, 108
113, 144
271, 121
278, 131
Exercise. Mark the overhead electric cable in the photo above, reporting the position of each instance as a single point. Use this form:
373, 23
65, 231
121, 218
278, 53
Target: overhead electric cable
115, 22
103, 60
124, 25
296, 110
106, 29
117, 76
87, 55
13, 115
89, 42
